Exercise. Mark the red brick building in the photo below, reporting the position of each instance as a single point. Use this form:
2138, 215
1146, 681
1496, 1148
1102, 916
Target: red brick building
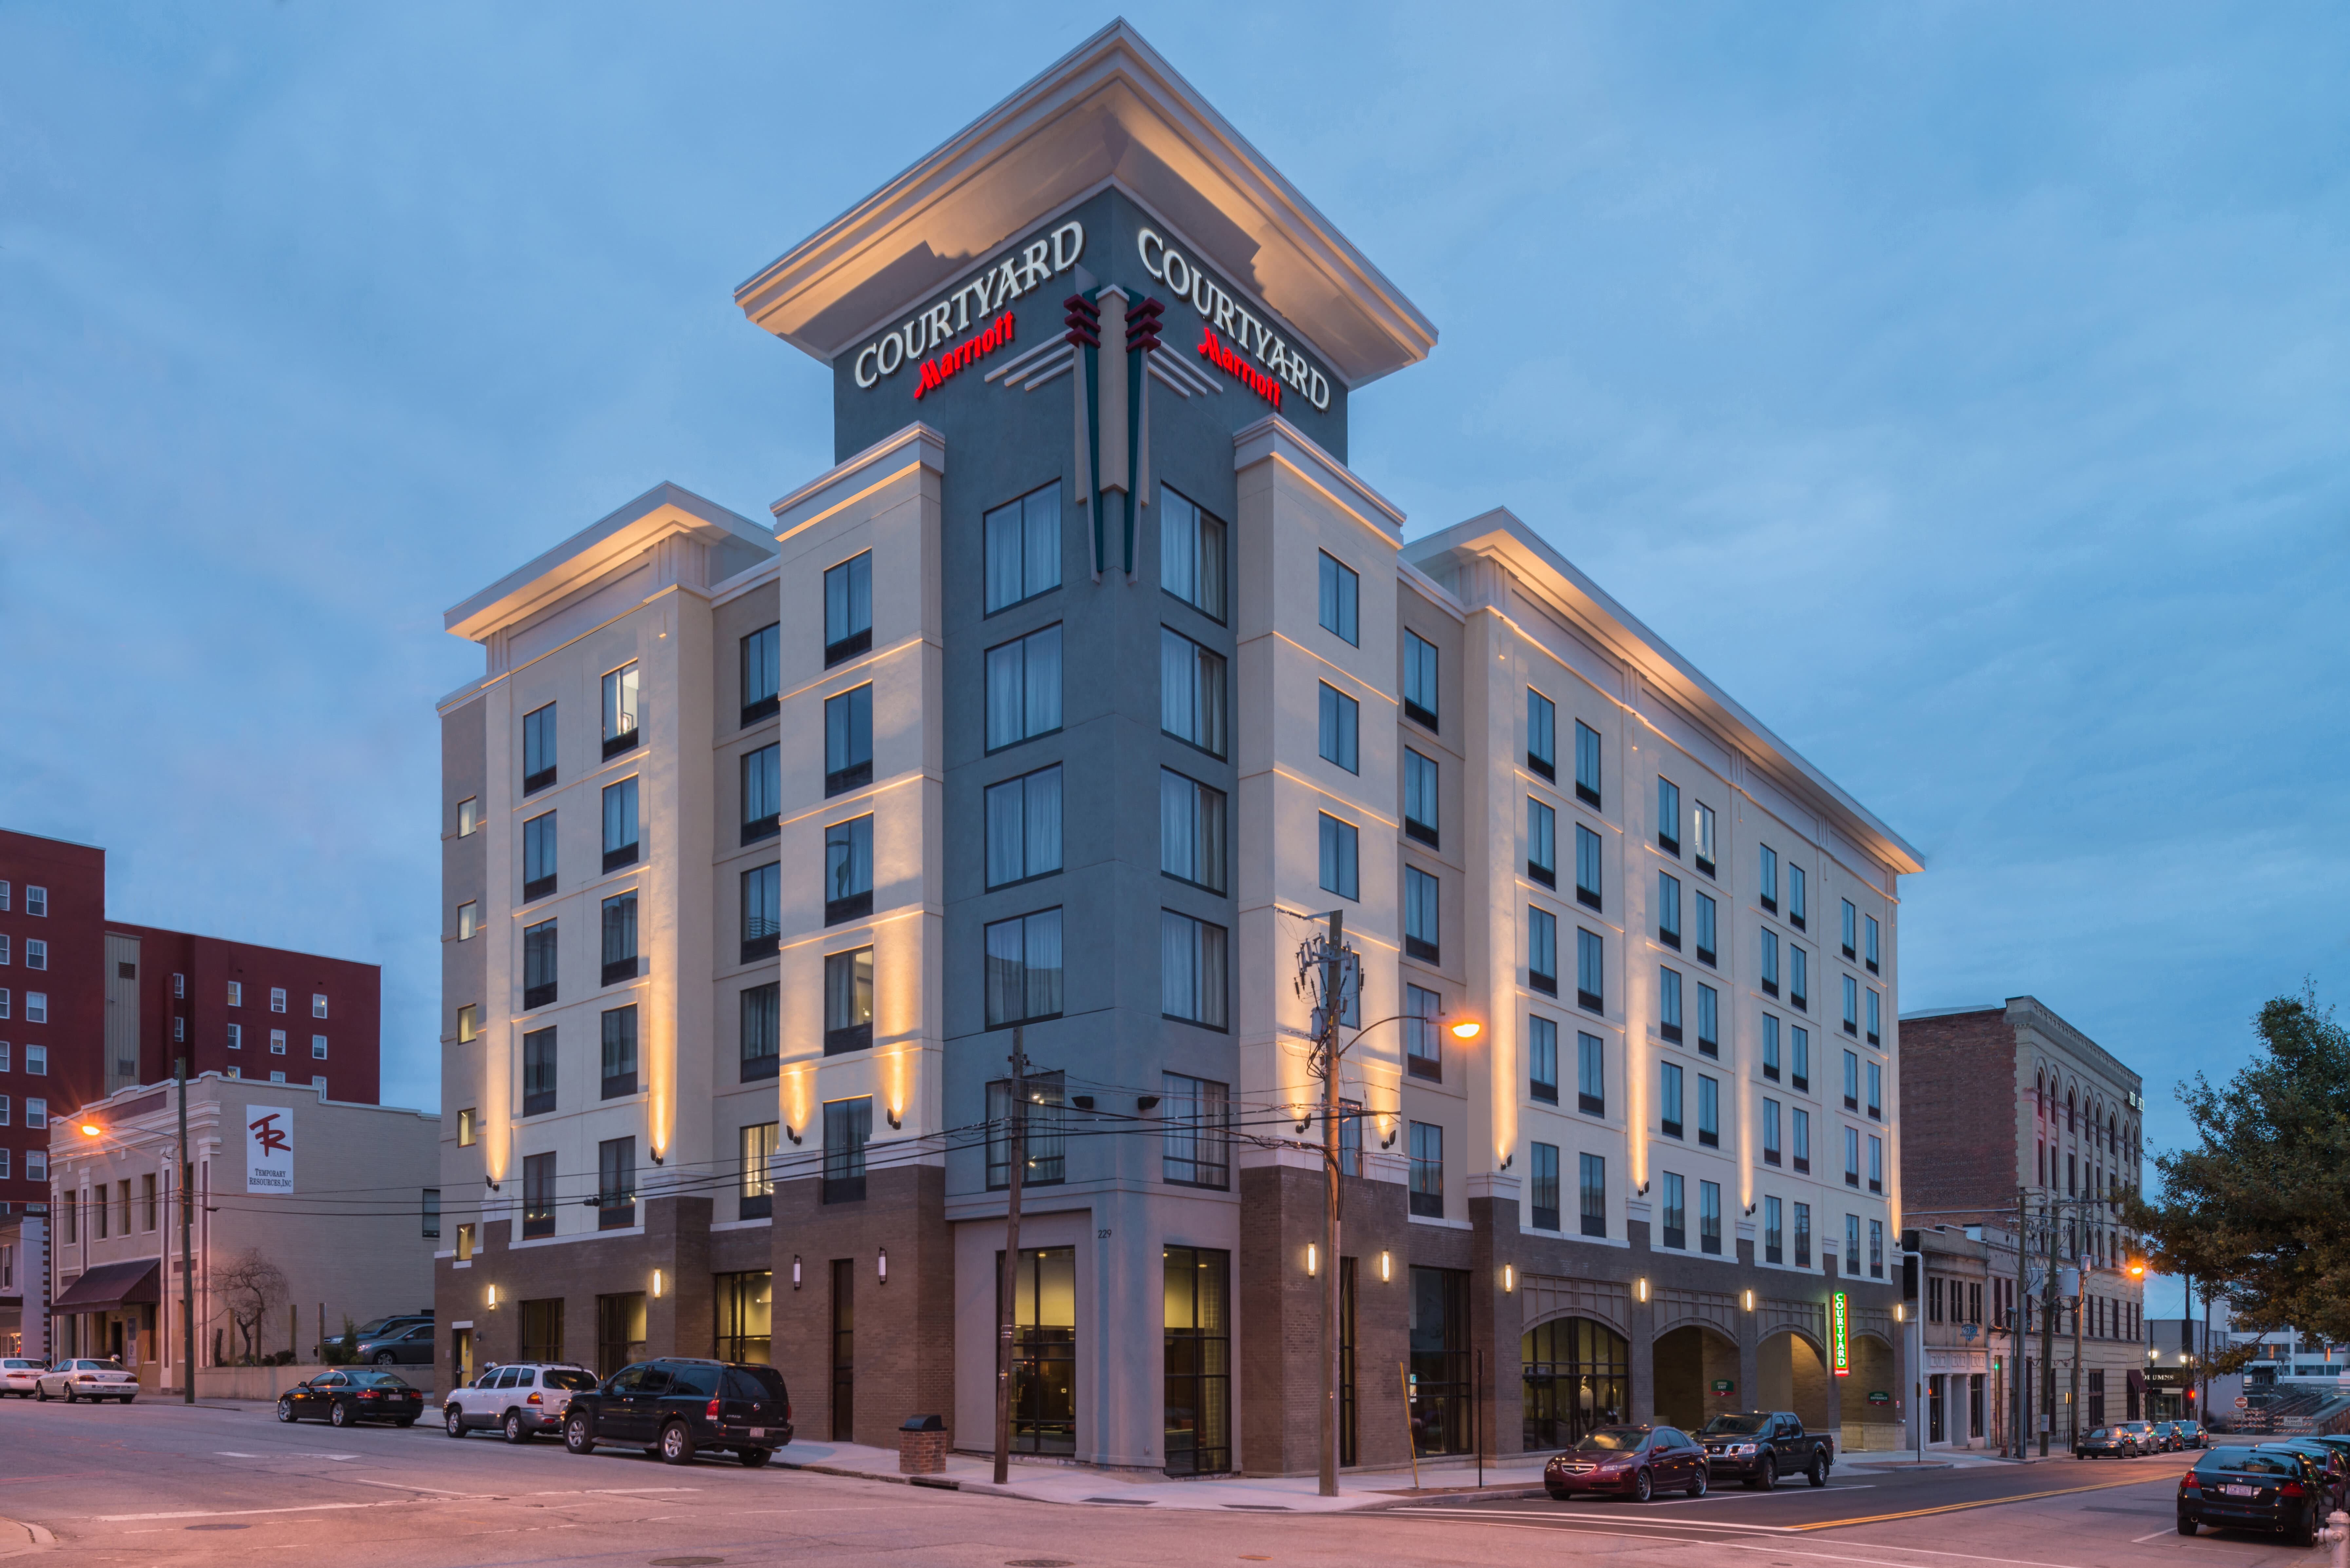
89, 1005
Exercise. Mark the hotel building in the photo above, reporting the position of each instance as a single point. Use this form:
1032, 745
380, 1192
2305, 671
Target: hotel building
1063, 709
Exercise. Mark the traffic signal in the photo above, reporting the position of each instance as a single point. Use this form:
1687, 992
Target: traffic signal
1083, 319
1142, 326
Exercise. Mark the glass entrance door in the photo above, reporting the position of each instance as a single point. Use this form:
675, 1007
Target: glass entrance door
1440, 1361
1197, 1361
1044, 1351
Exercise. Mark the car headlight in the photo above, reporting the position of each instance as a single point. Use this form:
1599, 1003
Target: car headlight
1743, 1448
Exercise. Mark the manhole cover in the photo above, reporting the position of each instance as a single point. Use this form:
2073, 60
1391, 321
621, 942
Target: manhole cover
220, 1527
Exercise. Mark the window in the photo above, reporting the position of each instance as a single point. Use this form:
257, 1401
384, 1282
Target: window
465, 1124
1586, 764
1852, 1156
37, 955
1192, 554
276, 992
1590, 988
1669, 816
1767, 879
616, 1184
3, 897
1668, 909
763, 910
1803, 1235
1795, 896
539, 749
1851, 1245
1709, 1019
1192, 1150
1771, 1147
1341, 594
1023, 968
1877, 1249
1420, 797
1419, 679
1851, 1006
4, 1110
848, 1129
1023, 827
1191, 964
235, 1041
1427, 1171
1876, 1016
848, 870
469, 822
1542, 736
848, 739
538, 1069
756, 1145
469, 1024
1869, 952
621, 846
1706, 948
4, 1001
1023, 541
1341, 721
37, 902
1422, 1055
1542, 1059
1668, 1002
1341, 858
848, 609
847, 1000
763, 792
36, 1111
236, 993
537, 1194
1701, 819
620, 933
1774, 1236
278, 1043
1770, 963
1851, 928
1875, 1164
1799, 1139
1542, 951
36, 1165
1191, 830
1800, 1073
469, 923
1190, 692
1420, 916
1876, 1091
538, 965
763, 674
1542, 843
317, 1047
1544, 1184
620, 709
1708, 1217
1042, 1139
1851, 1081
1590, 1074
1669, 1104
620, 1052
4, 950
538, 856
1594, 1195
760, 1021
1674, 1210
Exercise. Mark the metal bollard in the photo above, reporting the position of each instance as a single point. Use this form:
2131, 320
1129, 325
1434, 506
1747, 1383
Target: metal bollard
2336, 1534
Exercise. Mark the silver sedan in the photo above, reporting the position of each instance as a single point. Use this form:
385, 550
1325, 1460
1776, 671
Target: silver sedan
87, 1378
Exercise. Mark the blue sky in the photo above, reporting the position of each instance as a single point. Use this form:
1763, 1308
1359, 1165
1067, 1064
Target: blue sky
1964, 386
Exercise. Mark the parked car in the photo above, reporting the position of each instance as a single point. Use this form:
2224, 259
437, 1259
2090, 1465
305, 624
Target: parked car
521, 1399
2166, 1437
2142, 1434
343, 1397
17, 1375
1760, 1446
86, 1378
2332, 1459
377, 1327
2258, 1489
407, 1345
2190, 1434
1636, 1462
2106, 1443
675, 1407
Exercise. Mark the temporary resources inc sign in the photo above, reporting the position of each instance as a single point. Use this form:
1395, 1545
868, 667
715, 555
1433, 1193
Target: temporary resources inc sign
269, 1150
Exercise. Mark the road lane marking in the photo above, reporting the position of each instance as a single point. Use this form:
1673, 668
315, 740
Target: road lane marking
1980, 1502
1595, 1520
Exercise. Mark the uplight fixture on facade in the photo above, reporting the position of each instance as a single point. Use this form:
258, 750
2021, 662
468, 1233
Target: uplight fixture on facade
491, 1297
896, 1114
657, 1284
1509, 1278
1387, 1267
1312, 1259
1640, 1290
1898, 1316
1746, 1300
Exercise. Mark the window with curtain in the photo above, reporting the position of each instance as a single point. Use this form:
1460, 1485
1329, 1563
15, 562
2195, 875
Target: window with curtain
1427, 1175
1192, 693
1341, 724
763, 910
1542, 843
1708, 1217
1023, 968
538, 857
1191, 830
1191, 969
1192, 554
1543, 1184
848, 870
848, 741
1420, 916
1192, 1150
538, 1070
763, 792
761, 1019
762, 673
538, 752
848, 609
616, 1183
1044, 1137
538, 952
619, 931
1593, 1194
1701, 824
1542, 1059
756, 1148
1668, 1002
1422, 1055
621, 841
1023, 543
1023, 827
1709, 1111
848, 1129
1024, 688
847, 1000
620, 1052
537, 1196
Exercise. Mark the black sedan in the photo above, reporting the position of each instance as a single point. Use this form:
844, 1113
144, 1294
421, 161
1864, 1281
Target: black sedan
2106, 1443
343, 1398
2255, 1489
2333, 1462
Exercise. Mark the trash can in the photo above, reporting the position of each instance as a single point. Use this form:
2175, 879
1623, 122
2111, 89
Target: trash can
922, 1446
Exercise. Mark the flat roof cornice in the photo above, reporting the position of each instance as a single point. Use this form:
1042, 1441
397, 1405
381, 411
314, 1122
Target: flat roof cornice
1112, 111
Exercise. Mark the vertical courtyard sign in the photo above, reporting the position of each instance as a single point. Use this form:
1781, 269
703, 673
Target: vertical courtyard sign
1840, 1334
269, 1149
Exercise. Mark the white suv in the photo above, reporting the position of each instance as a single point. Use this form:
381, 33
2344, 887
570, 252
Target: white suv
518, 1399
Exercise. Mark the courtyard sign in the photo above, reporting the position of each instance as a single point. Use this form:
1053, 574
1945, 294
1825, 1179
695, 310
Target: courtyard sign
1242, 333
1840, 1334
986, 296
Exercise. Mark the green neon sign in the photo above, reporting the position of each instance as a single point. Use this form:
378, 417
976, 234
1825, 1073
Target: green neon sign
1839, 1333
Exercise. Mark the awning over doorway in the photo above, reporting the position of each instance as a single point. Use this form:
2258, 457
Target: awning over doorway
110, 1286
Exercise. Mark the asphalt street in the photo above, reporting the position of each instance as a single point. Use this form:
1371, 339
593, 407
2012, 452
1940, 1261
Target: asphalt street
161, 1483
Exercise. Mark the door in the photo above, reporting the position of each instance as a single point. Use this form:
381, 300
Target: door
1934, 1418
844, 1350
645, 1404
615, 1418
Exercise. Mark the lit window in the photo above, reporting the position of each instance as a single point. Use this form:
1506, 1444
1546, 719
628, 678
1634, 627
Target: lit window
469, 817
318, 1004
469, 923
620, 709
236, 993
468, 1022
278, 1043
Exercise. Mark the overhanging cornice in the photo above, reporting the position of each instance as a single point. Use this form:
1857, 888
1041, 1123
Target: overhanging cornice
1110, 112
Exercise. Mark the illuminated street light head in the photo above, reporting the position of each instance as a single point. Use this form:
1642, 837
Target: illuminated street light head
1467, 1029
91, 1129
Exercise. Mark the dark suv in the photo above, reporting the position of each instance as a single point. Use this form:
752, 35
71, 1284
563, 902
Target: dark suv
676, 1407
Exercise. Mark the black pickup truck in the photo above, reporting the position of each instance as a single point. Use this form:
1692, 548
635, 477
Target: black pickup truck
1757, 1446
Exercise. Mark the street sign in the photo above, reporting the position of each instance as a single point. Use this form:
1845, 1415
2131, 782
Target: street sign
1723, 1386
1879, 1396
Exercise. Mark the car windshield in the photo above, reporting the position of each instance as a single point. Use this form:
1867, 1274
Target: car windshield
1611, 1440
378, 1380
2099, 1435
1734, 1426
568, 1378
100, 1365
2241, 1462
755, 1383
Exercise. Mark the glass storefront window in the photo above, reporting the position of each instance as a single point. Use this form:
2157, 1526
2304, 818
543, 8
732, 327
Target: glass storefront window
1044, 1351
1577, 1374
619, 1331
1440, 1361
1197, 1361
745, 1314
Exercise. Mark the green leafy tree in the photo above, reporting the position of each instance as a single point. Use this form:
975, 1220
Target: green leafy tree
2261, 1203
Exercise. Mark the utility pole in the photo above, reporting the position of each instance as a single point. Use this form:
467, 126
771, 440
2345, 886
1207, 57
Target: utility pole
1009, 1296
2048, 1333
187, 1247
2080, 1311
1333, 1001
2019, 1324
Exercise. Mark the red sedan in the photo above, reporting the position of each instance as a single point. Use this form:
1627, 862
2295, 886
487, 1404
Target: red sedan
1636, 1462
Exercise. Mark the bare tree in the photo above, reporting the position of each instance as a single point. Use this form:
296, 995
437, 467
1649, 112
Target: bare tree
250, 1286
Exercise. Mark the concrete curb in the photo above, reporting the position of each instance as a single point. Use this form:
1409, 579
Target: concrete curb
33, 1538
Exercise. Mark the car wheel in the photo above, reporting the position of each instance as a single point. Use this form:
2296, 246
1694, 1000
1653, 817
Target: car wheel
1697, 1485
2186, 1525
1644, 1486
1818, 1474
41, 1391
676, 1444
285, 1410
577, 1437
71, 1397
2304, 1536
453, 1420
514, 1430
386, 1358
1767, 1478
128, 1398
754, 1457
341, 1414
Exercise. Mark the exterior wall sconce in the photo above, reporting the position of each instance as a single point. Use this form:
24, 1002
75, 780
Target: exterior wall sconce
1640, 1290
491, 1298
657, 1284
895, 1112
1509, 1278
1146, 1101
1898, 1316
790, 1134
885, 1265
1387, 1267
1312, 1259
1746, 1300
1510, 1159
1083, 1102
1306, 1121
1388, 1141
795, 1271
